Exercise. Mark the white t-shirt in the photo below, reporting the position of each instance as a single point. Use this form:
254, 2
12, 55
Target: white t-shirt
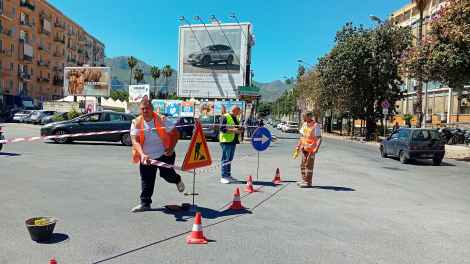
153, 146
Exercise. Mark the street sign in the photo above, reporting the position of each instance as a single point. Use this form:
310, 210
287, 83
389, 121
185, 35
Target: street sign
385, 104
261, 139
198, 154
249, 90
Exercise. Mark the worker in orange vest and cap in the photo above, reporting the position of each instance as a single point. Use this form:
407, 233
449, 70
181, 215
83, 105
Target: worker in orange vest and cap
308, 145
153, 138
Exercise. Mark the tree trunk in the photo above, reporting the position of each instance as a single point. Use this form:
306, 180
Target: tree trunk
371, 127
419, 88
130, 78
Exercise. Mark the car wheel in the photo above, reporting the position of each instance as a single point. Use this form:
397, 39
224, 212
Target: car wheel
403, 158
126, 139
206, 61
229, 60
61, 140
382, 152
436, 161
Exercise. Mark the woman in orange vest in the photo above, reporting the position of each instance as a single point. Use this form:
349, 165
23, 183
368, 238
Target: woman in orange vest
154, 138
309, 144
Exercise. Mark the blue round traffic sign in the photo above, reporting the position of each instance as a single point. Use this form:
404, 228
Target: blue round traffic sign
261, 139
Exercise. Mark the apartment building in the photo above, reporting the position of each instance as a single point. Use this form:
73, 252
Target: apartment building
36, 42
441, 102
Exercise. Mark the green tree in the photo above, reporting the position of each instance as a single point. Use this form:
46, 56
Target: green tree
138, 75
167, 72
131, 62
155, 72
119, 95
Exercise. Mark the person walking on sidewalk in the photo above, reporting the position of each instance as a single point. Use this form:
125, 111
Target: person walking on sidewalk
308, 145
229, 138
154, 138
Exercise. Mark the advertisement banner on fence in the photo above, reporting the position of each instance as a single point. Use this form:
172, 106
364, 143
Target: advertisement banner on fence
206, 109
187, 109
172, 108
87, 81
228, 106
137, 92
158, 106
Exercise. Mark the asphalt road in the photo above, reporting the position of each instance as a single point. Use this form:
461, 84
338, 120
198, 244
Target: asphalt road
363, 209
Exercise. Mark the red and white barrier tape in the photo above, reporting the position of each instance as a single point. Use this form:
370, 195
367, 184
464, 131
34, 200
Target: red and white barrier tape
30, 139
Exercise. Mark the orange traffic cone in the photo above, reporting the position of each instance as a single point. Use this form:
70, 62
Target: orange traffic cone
237, 204
196, 236
52, 261
277, 177
249, 185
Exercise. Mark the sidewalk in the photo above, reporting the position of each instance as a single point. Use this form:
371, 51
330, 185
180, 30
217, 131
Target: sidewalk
458, 152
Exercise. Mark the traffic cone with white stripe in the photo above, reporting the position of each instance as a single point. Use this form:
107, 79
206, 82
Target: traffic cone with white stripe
52, 261
196, 236
237, 203
277, 177
249, 185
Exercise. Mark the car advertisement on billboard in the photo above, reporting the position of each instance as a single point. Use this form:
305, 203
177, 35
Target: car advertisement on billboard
212, 60
87, 81
137, 92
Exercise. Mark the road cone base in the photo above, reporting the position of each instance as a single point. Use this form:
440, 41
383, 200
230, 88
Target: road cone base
236, 206
192, 240
250, 190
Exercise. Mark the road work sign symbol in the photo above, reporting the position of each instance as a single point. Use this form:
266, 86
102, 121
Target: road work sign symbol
198, 154
261, 139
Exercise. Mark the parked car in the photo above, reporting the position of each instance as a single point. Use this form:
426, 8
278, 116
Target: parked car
280, 125
414, 143
292, 127
211, 127
50, 118
38, 115
19, 116
185, 126
27, 118
212, 54
93, 122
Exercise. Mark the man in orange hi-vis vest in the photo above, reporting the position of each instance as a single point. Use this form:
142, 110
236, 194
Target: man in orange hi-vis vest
153, 137
309, 144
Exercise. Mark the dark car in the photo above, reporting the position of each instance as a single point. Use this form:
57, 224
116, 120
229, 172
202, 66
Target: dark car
185, 126
212, 54
414, 143
50, 118
93, 122
210, 127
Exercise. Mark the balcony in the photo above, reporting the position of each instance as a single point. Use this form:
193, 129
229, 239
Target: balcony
59, 25
6, 52
59, 40
43, 63
6, 32
43, 79
27, 5
24, 76
26, 23
43, 48
44, 31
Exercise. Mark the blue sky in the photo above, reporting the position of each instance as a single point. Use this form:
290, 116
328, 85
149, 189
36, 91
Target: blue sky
285, 30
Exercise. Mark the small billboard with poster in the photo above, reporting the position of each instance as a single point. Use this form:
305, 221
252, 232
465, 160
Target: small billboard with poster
137, 92
87, 81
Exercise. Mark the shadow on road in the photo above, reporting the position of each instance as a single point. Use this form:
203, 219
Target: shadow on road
56, 238
334, 188
207, 213
8, 154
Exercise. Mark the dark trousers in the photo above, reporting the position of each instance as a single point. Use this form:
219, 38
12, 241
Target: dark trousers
228, 151
148, 174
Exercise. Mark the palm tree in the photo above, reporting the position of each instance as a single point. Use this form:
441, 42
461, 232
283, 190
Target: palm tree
167, 72
421, 6
132, 62
138, 75
155, 72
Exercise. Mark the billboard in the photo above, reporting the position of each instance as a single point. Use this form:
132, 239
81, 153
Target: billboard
172, 108
87, 81
187, 109
137, 92
212, 60
159, 105
228, 106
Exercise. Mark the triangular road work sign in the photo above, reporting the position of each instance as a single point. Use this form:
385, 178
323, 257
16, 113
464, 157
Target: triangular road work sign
198, 154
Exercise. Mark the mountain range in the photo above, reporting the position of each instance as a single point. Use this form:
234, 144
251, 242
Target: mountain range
120, 79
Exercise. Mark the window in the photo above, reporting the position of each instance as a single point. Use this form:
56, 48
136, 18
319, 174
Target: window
425, 135
91, 118
116, 117
12, 66
403, 134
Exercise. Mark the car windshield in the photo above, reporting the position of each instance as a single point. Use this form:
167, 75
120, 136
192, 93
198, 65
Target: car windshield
424, 135
207, 120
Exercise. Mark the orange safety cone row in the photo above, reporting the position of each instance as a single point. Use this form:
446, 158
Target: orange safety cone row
277, 177
249, 185
52, 261
196, 236
237, 203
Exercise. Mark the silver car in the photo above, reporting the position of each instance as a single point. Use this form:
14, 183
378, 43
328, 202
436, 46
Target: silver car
212, 54
20, 116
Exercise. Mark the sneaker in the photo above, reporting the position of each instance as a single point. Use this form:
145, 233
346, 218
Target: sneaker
140, 208
180, 186
225, 180
232, 179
